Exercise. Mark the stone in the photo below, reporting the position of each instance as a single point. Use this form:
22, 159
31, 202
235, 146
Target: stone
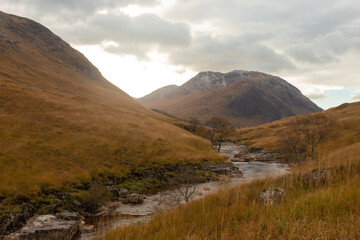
134, 199
237, 159
319, 175
123, 192
68, 216
220, 169
271, 197
262, 156
49, 227
107, 209
117, 192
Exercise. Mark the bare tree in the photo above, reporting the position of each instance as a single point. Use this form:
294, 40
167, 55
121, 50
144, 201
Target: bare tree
293, 148
221, 130
315, 128
307, 132
186, 189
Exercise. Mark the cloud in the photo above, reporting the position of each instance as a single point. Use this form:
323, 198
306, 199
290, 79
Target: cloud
316, 41
309, 53
132, 35
317, 95
228, 54
75, 8
356, 97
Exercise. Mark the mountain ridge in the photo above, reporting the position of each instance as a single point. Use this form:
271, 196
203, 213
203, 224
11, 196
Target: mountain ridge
213, 93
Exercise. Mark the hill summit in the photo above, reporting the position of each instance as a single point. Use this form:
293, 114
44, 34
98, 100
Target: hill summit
246, 98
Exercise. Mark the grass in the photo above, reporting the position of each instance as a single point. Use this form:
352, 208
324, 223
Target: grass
309, 210
64, 123
328, 209
345, 132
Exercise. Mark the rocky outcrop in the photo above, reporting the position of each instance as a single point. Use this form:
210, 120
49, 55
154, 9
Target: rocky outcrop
271, 196
62, 226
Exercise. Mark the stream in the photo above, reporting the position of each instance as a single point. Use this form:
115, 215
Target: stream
124, 215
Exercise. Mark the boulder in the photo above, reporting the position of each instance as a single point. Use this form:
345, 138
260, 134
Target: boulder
220, 169
123, 192
117, 192
134, 199
50, 227
271, 196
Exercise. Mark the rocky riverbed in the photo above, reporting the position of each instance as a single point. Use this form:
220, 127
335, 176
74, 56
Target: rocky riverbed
120, 215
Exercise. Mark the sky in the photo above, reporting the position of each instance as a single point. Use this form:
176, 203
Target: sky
142, 45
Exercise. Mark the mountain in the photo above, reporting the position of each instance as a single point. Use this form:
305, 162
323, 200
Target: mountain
61, 121
246, 98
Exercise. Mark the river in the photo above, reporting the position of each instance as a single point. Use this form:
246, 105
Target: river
124, 215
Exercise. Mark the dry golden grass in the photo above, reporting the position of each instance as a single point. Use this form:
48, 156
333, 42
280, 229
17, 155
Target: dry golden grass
61, 121
344, 133
309, 210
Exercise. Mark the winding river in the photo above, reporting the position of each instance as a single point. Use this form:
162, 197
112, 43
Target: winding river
123, 215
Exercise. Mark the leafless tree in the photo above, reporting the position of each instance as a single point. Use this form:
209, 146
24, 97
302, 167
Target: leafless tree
307, 132
221, 130
186, 189
293, 148
315, 128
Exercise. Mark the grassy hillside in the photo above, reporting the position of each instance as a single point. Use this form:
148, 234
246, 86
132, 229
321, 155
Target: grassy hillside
61, 121
345, 132
310, 209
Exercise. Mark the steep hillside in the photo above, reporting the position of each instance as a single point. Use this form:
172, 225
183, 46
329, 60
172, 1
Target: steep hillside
245, 98
61, 121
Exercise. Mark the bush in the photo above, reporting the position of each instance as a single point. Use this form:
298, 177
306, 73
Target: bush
95, 197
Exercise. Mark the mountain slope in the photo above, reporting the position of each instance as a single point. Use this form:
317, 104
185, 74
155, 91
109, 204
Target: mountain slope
246, 98
61, 121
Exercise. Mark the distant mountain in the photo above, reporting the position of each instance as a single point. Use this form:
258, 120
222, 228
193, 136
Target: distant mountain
246, 98
62, 121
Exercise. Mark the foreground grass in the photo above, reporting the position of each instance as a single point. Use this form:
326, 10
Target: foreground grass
309, 210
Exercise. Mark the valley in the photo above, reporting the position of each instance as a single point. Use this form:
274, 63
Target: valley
240, 154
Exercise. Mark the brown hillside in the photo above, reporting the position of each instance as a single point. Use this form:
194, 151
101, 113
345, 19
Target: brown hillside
60, 120
345, 132
245, 98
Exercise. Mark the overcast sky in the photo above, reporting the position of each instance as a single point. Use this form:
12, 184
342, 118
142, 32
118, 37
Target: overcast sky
141, 45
